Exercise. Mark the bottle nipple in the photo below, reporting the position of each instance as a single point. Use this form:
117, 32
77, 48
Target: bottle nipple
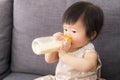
68, 38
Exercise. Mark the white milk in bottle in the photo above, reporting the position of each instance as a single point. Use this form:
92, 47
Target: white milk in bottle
44, 45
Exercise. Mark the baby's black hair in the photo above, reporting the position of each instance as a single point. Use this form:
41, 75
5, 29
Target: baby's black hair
92, 16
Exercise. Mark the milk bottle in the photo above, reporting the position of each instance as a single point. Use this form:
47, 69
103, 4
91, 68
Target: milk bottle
48, 44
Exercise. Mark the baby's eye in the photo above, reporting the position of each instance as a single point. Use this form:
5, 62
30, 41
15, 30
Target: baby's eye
74, 31
65, 30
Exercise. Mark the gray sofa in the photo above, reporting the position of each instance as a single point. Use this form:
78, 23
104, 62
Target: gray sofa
23, 20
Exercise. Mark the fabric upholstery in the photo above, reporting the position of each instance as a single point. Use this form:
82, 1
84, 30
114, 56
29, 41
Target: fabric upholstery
21, 76
108, 42
33, 19
37, 18
5, 34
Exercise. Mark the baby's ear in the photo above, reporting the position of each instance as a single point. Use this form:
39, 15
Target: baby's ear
94, 34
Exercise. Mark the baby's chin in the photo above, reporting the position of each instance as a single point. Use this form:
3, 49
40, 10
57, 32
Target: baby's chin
73, 48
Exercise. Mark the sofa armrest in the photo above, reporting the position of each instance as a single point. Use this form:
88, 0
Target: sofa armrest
6, 20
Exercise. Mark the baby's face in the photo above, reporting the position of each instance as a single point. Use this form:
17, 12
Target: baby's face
77, 32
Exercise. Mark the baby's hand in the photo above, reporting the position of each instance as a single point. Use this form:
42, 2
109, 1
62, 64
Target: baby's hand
65, 48
66, 45
58, 36
66, 41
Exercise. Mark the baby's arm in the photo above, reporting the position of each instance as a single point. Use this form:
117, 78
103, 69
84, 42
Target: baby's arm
85, 64
51, 57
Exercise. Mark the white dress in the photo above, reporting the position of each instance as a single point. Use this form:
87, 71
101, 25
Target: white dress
65, 72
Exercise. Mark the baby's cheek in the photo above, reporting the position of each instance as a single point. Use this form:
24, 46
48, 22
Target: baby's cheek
76, 41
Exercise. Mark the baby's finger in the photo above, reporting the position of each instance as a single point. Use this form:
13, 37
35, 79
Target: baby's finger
58, 36
66, 45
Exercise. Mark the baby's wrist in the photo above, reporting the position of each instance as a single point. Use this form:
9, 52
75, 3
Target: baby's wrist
62, 53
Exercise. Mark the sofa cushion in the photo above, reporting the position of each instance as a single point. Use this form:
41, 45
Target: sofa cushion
5, 34
38, 18
108, 42
34, 19
21, 76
